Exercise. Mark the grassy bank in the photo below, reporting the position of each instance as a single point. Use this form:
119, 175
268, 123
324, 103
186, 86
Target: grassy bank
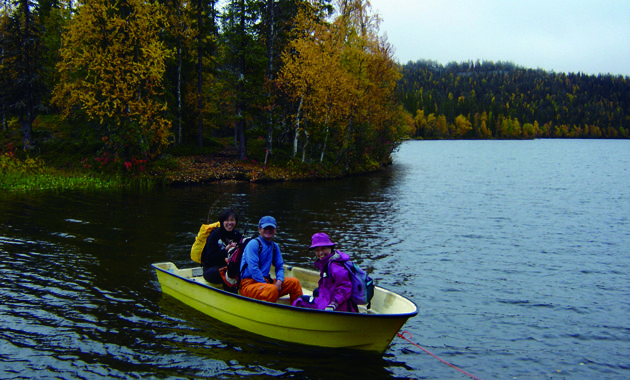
66, 168
64, 159
33, 174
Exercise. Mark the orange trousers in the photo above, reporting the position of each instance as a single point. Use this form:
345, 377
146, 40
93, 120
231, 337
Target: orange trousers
268, 291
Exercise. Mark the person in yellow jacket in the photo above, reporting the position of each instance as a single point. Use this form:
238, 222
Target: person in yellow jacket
220, 241
256, 281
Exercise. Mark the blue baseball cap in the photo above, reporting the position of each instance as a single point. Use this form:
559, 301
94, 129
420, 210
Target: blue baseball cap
267, 221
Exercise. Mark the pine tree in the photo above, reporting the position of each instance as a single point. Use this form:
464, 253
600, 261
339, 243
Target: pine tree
23, 87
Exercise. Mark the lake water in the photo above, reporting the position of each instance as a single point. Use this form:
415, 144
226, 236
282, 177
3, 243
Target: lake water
516, 252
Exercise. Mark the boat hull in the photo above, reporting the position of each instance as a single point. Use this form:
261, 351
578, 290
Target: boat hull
371, 330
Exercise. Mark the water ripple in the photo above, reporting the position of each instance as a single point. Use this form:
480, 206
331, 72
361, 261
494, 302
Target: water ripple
515, 253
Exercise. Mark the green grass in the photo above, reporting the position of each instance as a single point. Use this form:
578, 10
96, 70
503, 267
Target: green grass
32, 174
49, 181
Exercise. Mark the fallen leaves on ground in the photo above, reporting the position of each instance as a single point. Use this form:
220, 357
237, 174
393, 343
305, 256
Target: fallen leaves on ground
202, 169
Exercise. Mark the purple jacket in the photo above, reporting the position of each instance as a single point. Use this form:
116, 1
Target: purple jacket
334, 285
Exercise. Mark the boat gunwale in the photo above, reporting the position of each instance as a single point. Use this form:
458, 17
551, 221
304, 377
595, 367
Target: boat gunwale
293, 308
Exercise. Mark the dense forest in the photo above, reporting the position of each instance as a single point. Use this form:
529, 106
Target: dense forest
481, 100
130, 79
124, 81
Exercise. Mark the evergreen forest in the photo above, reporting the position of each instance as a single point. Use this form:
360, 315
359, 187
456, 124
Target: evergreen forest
485, 100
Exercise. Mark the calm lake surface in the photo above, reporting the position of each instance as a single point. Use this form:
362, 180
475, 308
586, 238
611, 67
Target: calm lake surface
517, 254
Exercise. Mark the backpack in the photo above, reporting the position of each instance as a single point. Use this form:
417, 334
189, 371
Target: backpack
200, 241
235, 255
362, 284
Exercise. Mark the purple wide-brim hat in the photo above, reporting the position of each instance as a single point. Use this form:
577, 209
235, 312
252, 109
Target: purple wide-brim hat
320, 239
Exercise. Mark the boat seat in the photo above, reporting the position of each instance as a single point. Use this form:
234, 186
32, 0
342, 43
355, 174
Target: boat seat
285, 300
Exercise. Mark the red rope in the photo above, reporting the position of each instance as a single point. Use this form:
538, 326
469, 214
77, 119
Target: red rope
402, 335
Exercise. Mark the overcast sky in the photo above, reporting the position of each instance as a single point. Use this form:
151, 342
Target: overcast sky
588, 36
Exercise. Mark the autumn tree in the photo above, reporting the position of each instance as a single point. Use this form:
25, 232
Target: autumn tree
375, 123
386, 127
341, 75
315, 78
112, 69
420, 123
431, 125
462, 126
275, 30
484, 131
444, 128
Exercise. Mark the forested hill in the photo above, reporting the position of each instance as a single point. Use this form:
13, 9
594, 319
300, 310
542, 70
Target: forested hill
502, 100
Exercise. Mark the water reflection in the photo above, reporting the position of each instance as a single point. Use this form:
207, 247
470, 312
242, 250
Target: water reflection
80, 296
515, 253
247, 354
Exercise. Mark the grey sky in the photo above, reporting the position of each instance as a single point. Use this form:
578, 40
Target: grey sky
588, 36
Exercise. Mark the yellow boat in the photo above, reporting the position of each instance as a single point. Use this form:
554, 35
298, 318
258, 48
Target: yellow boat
371, 329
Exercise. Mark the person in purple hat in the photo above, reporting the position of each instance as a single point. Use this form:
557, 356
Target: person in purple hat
335, 288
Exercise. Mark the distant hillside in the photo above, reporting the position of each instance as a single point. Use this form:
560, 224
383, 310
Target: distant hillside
501, 100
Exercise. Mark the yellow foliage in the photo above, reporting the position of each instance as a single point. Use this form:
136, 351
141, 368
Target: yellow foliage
342, 74
112, 67
462, 126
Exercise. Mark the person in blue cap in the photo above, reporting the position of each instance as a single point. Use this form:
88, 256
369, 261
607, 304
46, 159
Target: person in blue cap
256, 281
334, 287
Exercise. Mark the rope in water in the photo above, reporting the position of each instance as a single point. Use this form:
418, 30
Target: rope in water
402, 335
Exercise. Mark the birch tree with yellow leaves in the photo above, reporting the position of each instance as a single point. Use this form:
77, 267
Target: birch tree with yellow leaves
342, 76
112, 68
315, 79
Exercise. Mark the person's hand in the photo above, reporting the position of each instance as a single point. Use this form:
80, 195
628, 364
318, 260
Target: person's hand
278, 285
230, 248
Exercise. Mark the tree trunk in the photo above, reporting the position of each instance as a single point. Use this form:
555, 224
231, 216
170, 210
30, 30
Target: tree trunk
347, 142
199, 74
26, 116
321, 158
4, 108
239, 132
179, 74
271, 12
297, 127
305, 144
27, 130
